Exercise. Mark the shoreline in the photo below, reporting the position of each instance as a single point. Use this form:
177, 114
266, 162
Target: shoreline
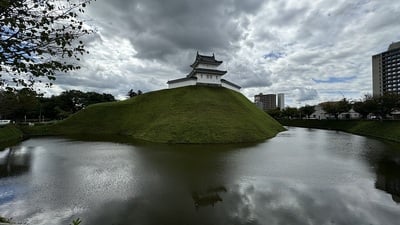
384, 130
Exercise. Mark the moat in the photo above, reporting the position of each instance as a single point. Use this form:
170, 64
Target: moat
302, 176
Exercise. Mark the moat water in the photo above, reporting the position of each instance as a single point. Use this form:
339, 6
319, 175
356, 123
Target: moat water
302, 176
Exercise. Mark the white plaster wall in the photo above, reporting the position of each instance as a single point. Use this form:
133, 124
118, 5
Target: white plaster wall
350, 115
206, 66
319, 113
182, 84
213, 79
225, 85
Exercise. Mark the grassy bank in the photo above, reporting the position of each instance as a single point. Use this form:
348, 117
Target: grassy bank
9, 135
182, 115
388, 130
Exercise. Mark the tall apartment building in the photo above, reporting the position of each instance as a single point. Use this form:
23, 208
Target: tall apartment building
386, 71
265, 102
281, 101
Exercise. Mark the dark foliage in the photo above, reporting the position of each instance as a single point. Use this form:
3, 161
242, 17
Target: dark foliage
379, 106
335, 108
307, 110
26, 103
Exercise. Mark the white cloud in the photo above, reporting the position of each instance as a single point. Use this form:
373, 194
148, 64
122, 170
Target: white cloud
142, 44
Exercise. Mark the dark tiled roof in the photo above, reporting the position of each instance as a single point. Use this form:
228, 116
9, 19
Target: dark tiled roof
206, 71
230, 83
204, 59
181, 79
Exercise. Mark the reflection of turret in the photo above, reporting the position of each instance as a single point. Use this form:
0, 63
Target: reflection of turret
388, 177
208, 197
14, 162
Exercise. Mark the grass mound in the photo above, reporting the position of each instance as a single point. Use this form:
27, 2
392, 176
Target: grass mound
9, 134
182, 115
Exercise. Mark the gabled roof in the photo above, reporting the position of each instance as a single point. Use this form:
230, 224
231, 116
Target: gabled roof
230, 83
181, 79
206, 71
204, 59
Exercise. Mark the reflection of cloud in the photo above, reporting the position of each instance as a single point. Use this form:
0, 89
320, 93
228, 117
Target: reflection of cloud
38, 216
275, 202
281, 203
270, 183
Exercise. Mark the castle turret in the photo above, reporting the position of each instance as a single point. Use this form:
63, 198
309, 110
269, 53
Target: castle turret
205, 72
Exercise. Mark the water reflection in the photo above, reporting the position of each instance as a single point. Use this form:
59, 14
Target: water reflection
209, 197
303, 176
388, 176
14, 161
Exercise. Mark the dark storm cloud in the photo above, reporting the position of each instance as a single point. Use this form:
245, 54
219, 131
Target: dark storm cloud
158, 29
266, 46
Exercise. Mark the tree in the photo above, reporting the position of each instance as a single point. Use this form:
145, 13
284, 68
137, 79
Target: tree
290, 112
368, 105
27, 103
379, 106
131, 93
307, 110
335, 108
388, 103
16, 104
275, 113
39, 38
8, 100
93, 98
361, 108
343, 106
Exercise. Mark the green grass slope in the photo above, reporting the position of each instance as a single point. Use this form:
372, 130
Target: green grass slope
9, 134
388, 130
182, 115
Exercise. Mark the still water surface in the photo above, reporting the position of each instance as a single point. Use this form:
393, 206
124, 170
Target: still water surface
303, 176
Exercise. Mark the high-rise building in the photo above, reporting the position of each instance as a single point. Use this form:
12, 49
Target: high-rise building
281, 101
386, 71
265, 102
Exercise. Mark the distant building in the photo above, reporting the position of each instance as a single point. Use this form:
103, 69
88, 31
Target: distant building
205, 72
281, 101
265, 102
319, 113
386, 71
350, 115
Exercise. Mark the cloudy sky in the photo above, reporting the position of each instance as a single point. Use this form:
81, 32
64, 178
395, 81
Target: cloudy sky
311, 50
